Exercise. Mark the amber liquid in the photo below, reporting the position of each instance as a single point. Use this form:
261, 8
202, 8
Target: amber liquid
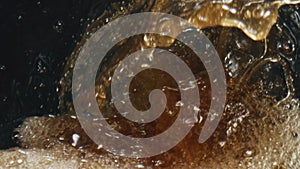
260, 124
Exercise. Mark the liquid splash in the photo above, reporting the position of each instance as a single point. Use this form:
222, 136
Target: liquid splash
260, 126
254, 17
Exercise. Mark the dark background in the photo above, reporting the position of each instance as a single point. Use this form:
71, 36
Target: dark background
36, 39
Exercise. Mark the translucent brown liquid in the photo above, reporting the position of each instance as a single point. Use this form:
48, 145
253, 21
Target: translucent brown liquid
260, 124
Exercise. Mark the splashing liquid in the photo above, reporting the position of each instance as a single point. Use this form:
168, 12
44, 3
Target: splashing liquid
260, 123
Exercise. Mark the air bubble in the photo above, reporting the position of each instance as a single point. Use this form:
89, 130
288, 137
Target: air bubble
2, 67
179, 104
75, 138
58, 26
139, 166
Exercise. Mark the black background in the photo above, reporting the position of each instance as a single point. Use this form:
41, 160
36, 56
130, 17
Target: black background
36, 39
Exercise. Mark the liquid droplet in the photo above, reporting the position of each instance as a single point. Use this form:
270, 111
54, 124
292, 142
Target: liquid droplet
58, 26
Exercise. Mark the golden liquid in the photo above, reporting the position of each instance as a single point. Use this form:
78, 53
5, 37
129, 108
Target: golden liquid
260, 123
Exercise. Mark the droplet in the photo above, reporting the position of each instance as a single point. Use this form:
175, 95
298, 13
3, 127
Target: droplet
179, 104
19, 160
139, 166
248, 152
190, 120
75, 138
100, 146
222, 143
2, 67
58, 26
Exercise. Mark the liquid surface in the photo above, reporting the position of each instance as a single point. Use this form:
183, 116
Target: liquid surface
260, 124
